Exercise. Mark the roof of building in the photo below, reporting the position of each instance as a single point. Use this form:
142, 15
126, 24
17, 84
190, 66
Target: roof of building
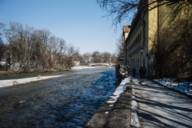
142, 3
126, 28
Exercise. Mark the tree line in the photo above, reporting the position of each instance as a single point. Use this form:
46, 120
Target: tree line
24, 48
98, 57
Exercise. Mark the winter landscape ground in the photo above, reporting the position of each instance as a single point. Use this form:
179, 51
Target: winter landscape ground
136, 107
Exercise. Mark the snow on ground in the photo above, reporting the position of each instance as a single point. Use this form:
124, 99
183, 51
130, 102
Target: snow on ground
119, 90
81, 67
183, 87
135, 120
134, 107
135, 81
12, 82
161, 107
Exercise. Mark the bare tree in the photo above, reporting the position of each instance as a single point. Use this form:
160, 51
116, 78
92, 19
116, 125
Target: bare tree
96, 58
62, 51
123, 8
2, 45
34, 49
40, 55
2, 49
20, 44
71, 54
114, 59
106, 57
86, 58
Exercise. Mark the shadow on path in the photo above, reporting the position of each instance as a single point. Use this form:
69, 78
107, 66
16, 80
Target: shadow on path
160, 107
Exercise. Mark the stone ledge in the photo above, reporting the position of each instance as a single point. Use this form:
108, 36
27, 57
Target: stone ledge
117, 115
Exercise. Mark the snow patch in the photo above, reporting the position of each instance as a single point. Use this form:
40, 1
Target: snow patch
135, 81
21, 101
119, 90
183, 87
106, 112
134, 106
135, 120
82, 67
12, 82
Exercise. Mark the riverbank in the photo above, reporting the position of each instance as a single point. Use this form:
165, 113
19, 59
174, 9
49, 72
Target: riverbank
12, 82
18, 75
82, 67
11, 79
5, 75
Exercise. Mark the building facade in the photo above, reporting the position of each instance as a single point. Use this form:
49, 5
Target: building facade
141, 40
159, 28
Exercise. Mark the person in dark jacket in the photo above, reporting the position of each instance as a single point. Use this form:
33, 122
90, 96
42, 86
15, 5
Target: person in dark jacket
142, 72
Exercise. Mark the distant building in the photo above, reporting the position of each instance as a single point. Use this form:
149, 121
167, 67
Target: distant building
76, 63
126, 30
123, 54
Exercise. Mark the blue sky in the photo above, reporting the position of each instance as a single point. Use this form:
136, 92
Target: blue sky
80, 22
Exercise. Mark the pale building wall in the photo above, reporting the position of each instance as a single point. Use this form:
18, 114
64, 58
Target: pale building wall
135, 47
152, 25
152, 31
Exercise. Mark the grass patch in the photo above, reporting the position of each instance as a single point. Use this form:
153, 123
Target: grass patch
5, 75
